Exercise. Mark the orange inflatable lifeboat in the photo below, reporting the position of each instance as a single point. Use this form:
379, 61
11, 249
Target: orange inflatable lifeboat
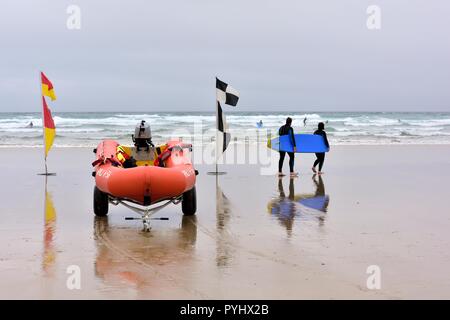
156, 174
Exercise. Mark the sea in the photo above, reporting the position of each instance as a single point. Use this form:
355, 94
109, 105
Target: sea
83, 129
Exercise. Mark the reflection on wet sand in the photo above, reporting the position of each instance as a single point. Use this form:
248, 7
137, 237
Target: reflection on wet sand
284, 207
48, 255
126, 257
302, 206
319, 201
224, 251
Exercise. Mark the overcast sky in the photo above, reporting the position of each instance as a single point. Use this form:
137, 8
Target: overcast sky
280, 55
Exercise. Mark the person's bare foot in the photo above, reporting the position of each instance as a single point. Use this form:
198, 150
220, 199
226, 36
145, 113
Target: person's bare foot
320, 172
281, 174
294, 174
314, 170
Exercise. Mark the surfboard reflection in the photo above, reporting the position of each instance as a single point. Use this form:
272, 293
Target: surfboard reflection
293, 206
320, 200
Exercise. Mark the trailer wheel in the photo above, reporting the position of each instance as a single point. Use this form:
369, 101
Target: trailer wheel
100, 203
189, 202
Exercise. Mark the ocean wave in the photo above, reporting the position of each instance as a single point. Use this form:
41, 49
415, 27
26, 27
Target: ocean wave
367, 122
407, 134
138, 117
342, 128
429, 123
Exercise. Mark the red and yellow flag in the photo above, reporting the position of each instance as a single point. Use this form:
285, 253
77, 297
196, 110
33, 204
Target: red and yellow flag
47, 87
49, 127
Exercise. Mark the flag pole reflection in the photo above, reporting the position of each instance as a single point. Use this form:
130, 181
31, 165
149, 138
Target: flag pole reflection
48, 257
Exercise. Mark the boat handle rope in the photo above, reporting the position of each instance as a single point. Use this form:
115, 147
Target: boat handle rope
147, 211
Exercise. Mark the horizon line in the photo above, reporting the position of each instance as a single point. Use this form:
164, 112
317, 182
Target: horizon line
236, 111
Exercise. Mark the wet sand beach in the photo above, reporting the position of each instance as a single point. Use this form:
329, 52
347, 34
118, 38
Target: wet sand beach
254, 236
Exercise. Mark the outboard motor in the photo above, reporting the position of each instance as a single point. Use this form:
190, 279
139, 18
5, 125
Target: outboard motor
142, 137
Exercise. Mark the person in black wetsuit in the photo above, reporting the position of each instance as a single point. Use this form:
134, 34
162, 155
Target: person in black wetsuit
321, 155
287, 130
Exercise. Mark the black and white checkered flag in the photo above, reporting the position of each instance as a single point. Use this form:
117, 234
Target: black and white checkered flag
225, 95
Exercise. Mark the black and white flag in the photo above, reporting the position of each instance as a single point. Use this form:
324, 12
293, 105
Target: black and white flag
225, 95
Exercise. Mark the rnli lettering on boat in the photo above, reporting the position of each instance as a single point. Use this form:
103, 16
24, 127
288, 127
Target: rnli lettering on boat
188, 172
103, 173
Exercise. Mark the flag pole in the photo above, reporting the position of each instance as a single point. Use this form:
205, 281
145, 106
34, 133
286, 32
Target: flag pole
219, 149
43, 129
216, 172
217, 137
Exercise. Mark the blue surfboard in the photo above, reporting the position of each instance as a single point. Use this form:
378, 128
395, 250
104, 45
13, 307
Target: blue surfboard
306, 143
317, 203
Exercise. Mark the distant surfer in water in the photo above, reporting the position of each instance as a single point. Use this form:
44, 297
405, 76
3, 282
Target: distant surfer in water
259, 124
30, 125
304, 121
320, 155
287, 130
